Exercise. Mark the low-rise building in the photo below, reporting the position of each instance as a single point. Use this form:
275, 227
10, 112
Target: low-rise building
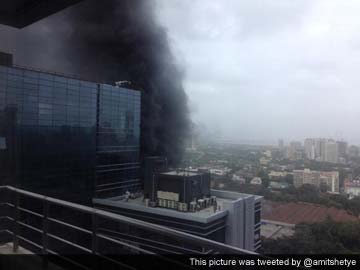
219, 172
238, 179
317, 178
276, 175
352, 188
256, 181
264, 161
278, 185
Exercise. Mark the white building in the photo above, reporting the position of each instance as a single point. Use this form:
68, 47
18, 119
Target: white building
352, 188
320, 149
331, 152
238, 178
256, 181
317, 178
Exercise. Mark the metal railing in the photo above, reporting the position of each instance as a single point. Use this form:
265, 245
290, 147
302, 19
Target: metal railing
46, 225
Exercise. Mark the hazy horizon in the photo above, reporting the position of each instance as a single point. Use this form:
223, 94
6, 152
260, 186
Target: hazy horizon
261, 70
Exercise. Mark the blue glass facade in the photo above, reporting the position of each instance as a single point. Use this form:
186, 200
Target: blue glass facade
118, 137
67, 138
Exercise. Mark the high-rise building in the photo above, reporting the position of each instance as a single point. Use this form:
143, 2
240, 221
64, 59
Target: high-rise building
326, 150
317, 178
309, 146
353, 151
281, 143
295, 150
68, 138
342, 148
318, 148
331, 152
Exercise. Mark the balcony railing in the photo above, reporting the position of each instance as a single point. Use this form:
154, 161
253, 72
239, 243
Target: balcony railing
47, 225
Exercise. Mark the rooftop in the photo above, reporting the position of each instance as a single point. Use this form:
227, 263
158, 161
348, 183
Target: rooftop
354, 183
54, 75
204, 216
7, 249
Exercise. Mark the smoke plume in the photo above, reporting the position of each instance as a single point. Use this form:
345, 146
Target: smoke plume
114, 40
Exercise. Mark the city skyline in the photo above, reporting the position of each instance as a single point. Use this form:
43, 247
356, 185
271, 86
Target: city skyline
286, 141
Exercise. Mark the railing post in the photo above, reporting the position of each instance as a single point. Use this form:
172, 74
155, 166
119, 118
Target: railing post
16, 224
94, 232
94, 241
45, 229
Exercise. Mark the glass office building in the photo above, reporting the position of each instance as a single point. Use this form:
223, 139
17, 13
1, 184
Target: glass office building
68, 138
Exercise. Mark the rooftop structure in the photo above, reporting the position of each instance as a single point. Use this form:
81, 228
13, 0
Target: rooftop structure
204, 215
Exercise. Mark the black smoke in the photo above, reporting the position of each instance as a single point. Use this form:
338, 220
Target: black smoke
113, 40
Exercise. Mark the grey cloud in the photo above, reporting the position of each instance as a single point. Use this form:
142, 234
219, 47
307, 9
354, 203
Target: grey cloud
265, 69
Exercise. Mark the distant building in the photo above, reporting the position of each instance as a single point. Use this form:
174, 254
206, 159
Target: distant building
277, 154
326, 150
295, 151
264, 161
331, 152
238, 179
317, 178
353, 151
278, 185
352, 188
219, 172
310, 146
342, 148
281, 143
267, 153
275, 175
256, 181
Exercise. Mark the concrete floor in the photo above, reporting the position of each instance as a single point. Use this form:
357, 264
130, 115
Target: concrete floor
22, 262
7, 249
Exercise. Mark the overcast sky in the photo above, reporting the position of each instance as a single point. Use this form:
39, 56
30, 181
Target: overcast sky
265, 69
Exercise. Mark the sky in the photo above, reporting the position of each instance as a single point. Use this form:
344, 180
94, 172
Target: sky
259, 70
